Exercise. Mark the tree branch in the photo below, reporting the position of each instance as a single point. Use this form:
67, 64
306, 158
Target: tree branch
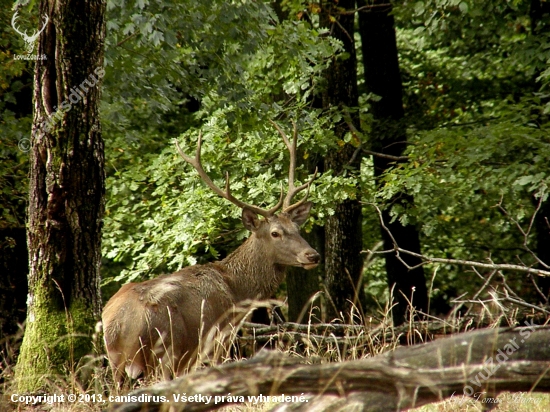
386, 156
426, 259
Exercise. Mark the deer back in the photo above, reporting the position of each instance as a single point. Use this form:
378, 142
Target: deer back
145, 321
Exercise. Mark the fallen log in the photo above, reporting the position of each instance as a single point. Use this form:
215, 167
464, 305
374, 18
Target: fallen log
320, 334
476, 364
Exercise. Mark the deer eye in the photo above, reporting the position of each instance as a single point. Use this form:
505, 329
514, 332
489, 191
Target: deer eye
275, 234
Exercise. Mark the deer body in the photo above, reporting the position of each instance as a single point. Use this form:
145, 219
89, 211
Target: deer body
161, 321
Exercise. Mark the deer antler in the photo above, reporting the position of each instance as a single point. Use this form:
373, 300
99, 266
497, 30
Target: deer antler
196, 163
293, 190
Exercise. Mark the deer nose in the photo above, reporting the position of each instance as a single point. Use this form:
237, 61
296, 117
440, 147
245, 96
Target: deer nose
313, 257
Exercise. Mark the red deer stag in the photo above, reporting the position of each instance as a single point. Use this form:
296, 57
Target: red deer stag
163, 320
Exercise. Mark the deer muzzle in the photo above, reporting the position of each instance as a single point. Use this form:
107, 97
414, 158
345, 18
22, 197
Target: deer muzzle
313, 258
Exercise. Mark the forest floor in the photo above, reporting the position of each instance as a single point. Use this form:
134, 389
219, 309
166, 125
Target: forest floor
94, 397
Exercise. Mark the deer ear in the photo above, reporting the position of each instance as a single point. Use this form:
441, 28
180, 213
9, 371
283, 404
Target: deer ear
250, 220
301, 213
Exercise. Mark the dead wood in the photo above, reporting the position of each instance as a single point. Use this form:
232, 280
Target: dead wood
485, 362
322, 334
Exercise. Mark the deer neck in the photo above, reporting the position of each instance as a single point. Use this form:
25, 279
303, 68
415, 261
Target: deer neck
251, 273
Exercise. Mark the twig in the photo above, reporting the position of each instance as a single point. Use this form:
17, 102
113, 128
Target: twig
525, 233
493, 266
120, 43
426, 259
344, 31
357, 134
525, 304
387, 156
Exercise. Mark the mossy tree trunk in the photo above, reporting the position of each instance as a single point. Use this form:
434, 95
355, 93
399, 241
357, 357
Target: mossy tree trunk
343, 230
388, 136
66, 194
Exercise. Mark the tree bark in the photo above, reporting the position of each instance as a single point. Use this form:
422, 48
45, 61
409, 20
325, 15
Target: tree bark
388, 136
475, 364
343, 230
66, 194
303, 285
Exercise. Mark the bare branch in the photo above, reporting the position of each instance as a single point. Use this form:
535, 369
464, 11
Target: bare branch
492, 266
521, 302
525, 233
426, 259
366, 9
386, 156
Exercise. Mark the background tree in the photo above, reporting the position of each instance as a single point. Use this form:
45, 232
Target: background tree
343, 235
280, 65
464, 125
477, 156
66, 194
388, 136
303, 286
474, 119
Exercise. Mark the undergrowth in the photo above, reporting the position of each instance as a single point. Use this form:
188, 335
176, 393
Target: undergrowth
91, 382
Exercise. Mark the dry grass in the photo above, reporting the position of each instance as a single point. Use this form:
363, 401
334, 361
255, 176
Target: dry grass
221, 347
505, 402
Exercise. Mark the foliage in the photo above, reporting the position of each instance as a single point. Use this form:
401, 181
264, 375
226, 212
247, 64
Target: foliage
475, 76
476, 105
242, 68
15, 121
459, 57
473, 105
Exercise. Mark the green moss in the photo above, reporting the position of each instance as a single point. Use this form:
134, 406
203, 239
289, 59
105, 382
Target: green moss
54, 341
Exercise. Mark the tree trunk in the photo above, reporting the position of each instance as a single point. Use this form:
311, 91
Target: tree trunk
343, 230
66, 194
302, 285
465, 367
383, 78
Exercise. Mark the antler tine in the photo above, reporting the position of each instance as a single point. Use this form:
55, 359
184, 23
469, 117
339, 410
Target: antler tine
196, 163
293, 190
283, 134
299, 189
